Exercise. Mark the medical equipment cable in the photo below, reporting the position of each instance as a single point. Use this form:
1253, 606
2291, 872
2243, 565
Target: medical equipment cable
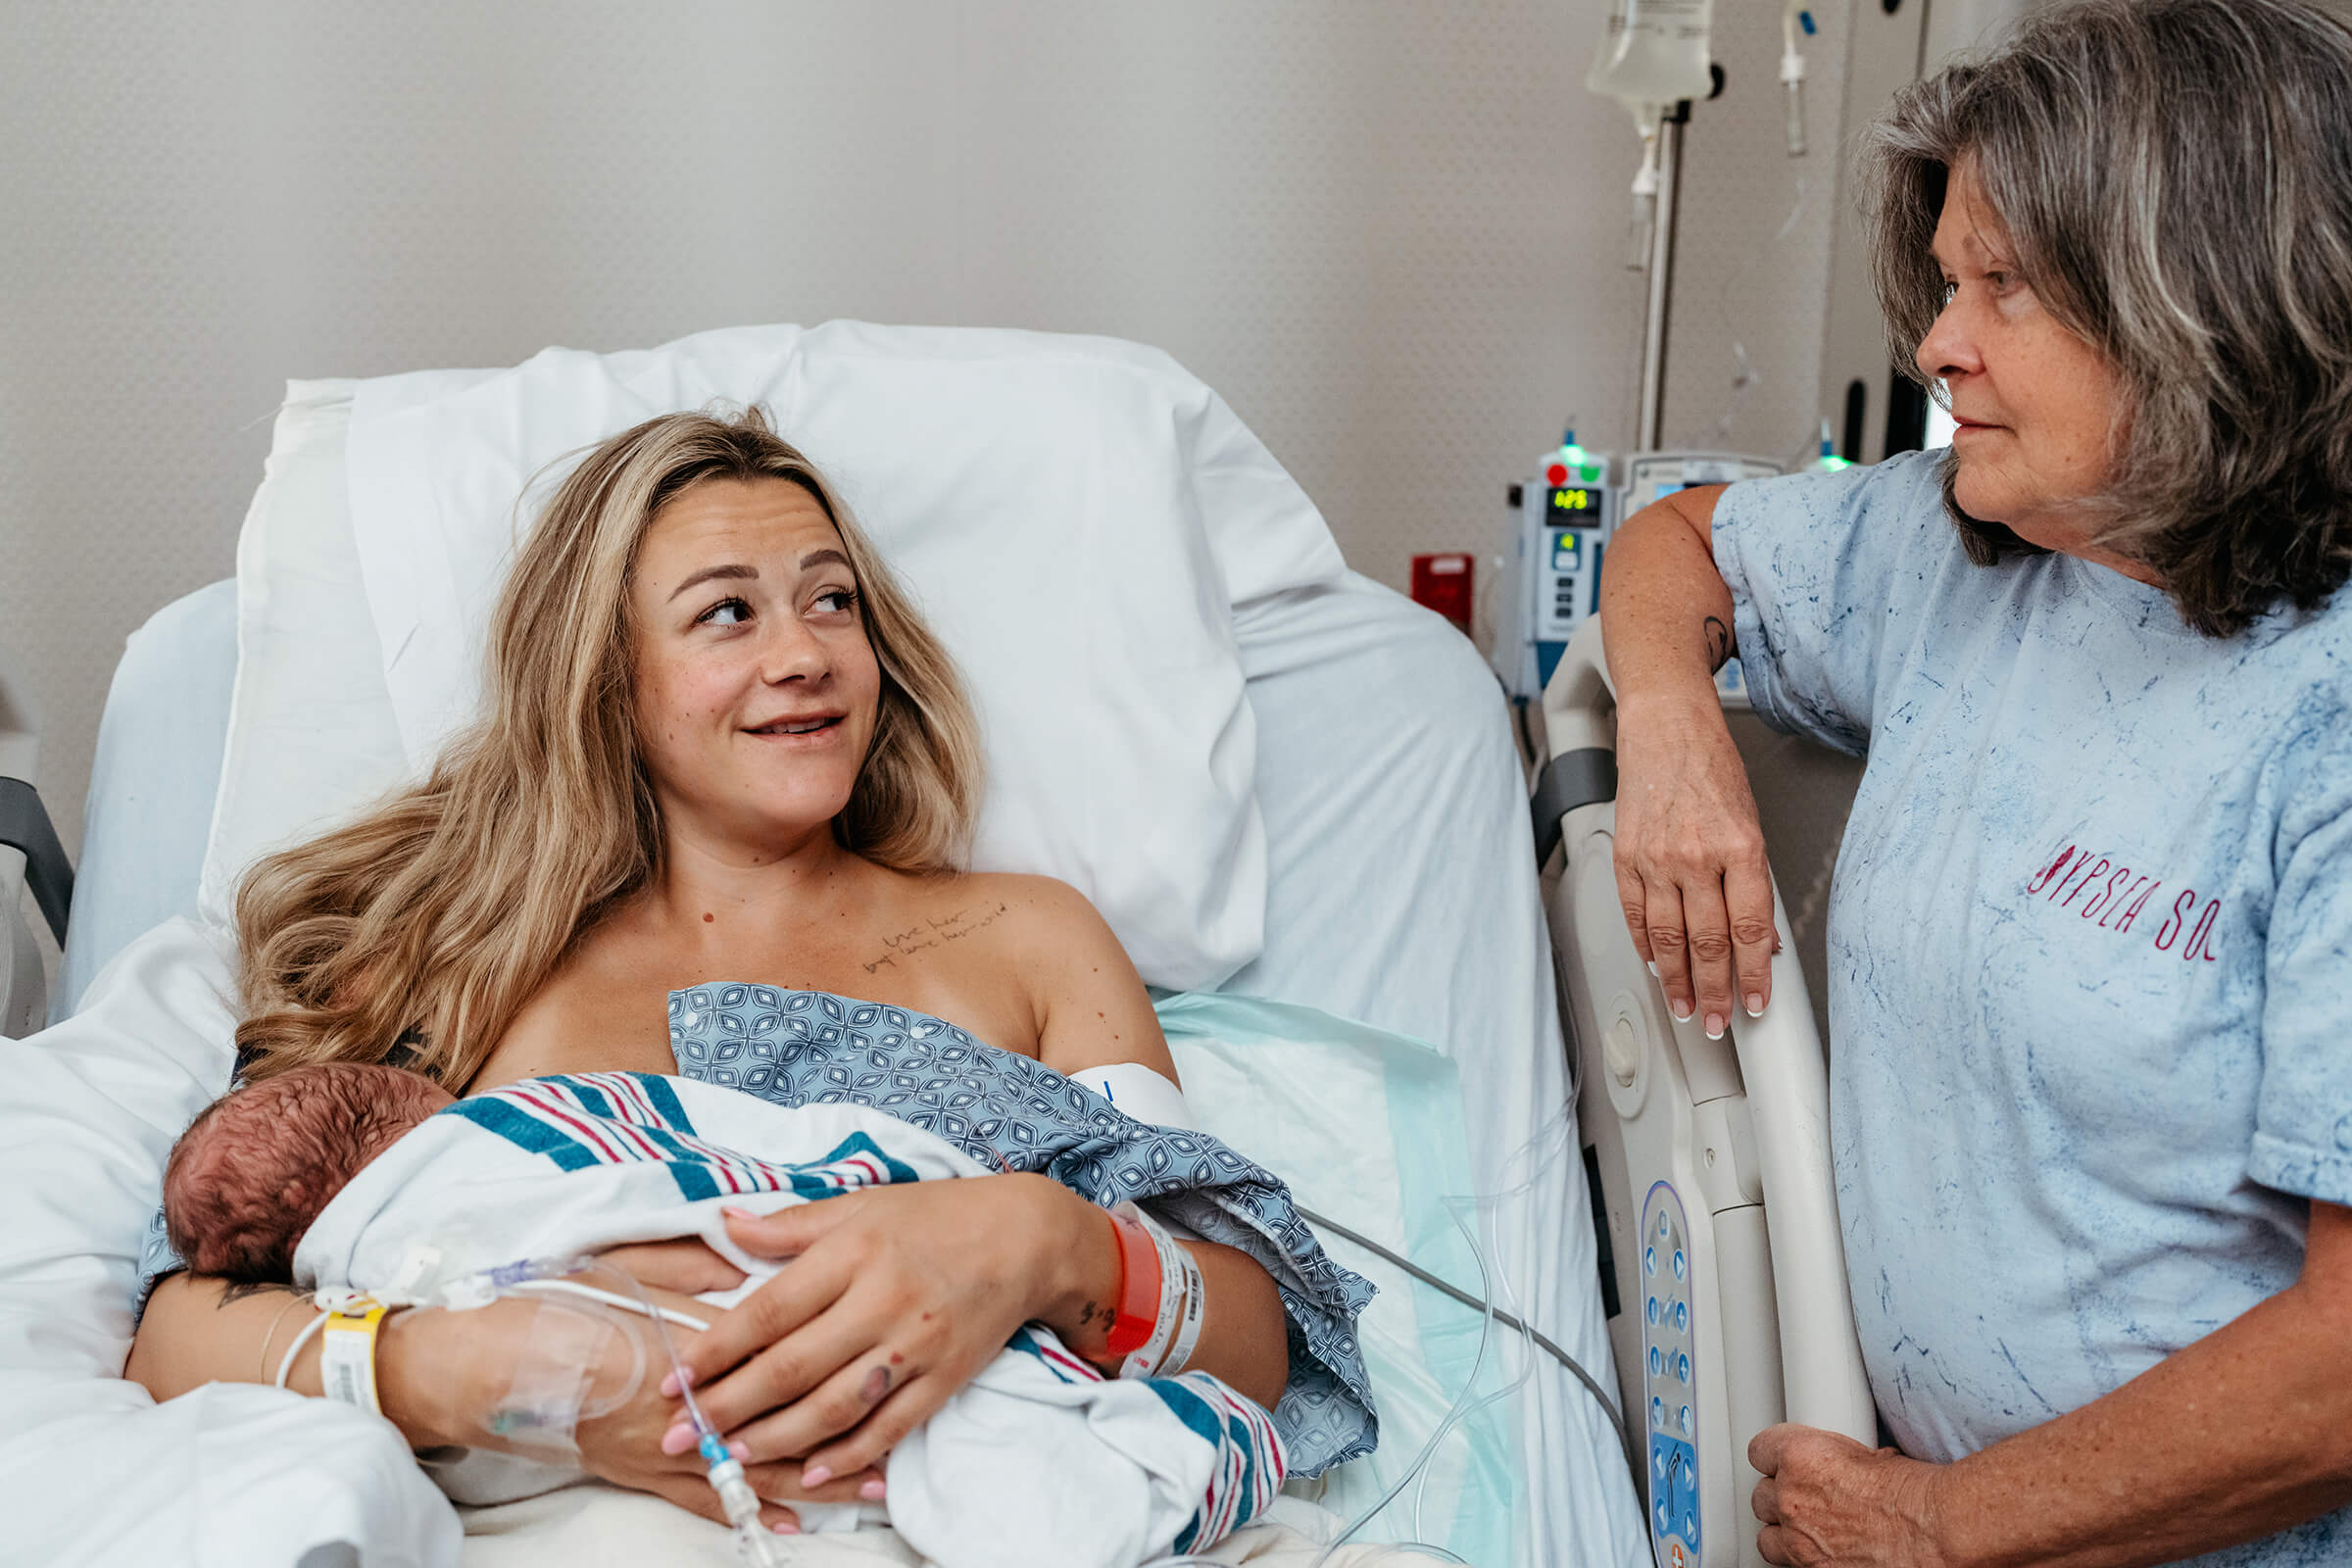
1446, 1286
1429, 1450
1527, 1371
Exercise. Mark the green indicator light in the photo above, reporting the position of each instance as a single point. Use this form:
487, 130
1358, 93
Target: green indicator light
1590, 472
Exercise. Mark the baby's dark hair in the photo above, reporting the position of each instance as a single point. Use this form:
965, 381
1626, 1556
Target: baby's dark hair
254, 1170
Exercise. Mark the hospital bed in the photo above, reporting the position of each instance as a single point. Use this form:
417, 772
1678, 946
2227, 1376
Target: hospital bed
1397, 891
1723, 1267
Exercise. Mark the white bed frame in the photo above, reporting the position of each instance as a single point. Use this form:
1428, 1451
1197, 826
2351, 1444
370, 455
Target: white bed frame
1721, 1252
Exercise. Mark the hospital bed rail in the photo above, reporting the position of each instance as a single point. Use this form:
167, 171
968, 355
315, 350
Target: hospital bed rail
1722, 1265
30, 860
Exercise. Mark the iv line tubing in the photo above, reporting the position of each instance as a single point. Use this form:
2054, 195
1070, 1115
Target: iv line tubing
1515, 1324
610, 1299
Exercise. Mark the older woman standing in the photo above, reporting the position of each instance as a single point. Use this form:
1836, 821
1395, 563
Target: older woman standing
2092, 922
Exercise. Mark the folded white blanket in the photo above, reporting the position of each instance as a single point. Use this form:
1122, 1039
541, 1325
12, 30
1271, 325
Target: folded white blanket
1038, 1460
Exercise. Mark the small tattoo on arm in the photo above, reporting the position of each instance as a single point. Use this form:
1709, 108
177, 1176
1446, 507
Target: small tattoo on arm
1719, 643
247, 1289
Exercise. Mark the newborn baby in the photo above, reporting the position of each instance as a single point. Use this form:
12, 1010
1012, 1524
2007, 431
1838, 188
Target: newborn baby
254, 1170
1039, 1459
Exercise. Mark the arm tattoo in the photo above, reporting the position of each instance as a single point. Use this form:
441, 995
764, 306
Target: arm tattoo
1719, 643
246, 1290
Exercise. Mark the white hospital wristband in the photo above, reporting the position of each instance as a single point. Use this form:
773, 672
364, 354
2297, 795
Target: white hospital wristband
1196, 1306
1173, 1262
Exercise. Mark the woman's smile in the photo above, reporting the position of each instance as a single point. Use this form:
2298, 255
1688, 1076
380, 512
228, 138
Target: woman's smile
800, 732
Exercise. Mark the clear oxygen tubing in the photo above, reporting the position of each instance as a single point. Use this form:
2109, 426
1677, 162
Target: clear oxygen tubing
1795, 21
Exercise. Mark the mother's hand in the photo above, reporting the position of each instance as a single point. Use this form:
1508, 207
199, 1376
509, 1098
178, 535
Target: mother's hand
1689, 858
896, 1297
442, 1373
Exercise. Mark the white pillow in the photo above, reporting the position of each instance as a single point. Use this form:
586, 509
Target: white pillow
1075, 515
310, 732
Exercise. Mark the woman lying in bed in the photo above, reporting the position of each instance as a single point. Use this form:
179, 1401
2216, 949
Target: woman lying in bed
719, 745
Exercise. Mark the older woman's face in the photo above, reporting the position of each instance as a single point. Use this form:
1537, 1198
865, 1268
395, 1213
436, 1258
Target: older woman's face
755, 688
2038, 407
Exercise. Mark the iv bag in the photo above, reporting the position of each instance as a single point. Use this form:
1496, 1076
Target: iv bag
1653, 52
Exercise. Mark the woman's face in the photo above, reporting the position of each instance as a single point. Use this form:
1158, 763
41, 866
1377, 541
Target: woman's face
755, 687
2037, 407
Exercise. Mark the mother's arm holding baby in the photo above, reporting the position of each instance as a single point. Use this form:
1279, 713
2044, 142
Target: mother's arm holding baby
718, 743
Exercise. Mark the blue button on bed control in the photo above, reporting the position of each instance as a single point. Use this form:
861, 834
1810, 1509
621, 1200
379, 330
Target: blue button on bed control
1683, 1420
1681, 1265
1682, 1317
1661, 1227
1657, 1418
1649, 1260
1682, 1368
1653, 1309
1657, 1362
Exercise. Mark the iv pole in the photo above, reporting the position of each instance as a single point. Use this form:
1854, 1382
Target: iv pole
1650, 413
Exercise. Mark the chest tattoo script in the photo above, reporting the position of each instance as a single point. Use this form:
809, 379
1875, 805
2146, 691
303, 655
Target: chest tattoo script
934, 932
2112, 895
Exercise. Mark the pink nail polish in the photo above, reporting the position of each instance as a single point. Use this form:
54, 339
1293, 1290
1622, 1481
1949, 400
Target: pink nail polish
788, 1527
1714, 1026
669, 1387
814, 1476
873, 1491
1682, 1011
678, 1439
732, 1212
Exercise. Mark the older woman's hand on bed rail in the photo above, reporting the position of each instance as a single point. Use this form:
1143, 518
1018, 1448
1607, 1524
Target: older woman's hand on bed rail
1691, 875
1825, 1498
896, 1297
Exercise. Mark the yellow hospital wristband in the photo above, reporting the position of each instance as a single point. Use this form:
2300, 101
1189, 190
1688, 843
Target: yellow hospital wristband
347, 1353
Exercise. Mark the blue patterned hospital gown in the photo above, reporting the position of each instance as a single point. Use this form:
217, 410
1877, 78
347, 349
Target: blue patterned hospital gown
2090, 937
1008, 1111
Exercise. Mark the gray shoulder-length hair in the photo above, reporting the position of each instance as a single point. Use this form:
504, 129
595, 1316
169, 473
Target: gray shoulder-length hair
2175, 177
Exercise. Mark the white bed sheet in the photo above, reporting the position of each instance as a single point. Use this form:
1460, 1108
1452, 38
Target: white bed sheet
1369, 710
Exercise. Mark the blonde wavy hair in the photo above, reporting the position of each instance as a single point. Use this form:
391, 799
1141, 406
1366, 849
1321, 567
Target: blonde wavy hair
418, 932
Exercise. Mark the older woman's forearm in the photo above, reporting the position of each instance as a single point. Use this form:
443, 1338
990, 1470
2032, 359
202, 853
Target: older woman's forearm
1664, 606
2244, 1433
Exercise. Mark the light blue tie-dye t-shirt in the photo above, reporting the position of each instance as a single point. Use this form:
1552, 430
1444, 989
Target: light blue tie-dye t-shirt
2091, 940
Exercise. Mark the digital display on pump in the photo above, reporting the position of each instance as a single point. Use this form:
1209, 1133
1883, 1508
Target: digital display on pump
1574, 499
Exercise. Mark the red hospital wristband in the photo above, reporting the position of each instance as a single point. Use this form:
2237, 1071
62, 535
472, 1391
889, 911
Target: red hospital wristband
1139, 1288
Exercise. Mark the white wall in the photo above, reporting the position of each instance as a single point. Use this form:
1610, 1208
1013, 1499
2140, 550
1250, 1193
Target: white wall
1390, 231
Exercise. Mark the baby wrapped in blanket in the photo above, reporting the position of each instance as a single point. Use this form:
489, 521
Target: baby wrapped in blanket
332, 1176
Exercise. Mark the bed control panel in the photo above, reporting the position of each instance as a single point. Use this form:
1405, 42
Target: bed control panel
1668, 1377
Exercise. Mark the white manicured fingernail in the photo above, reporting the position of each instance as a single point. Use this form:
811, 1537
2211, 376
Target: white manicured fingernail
1654, 968
1755, 1005
1714, 1026
1681, 1010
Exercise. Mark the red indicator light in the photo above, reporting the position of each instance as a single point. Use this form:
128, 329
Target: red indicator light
1556, 474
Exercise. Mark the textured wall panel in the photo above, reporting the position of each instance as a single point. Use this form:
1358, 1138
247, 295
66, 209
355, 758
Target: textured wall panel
1389, 234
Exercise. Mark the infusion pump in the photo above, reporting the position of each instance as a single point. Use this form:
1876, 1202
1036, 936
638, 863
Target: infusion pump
1557, 530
